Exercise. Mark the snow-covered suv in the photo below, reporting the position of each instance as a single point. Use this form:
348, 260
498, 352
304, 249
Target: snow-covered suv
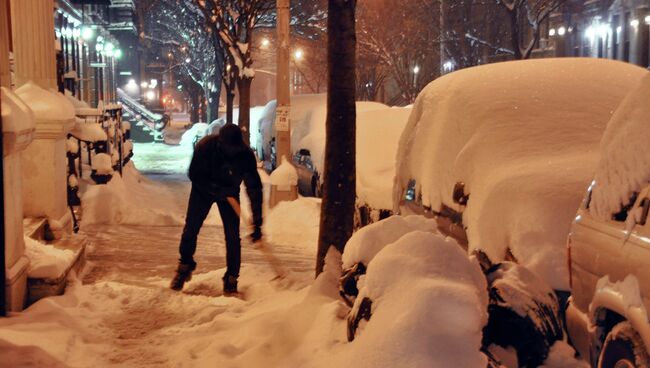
609, 245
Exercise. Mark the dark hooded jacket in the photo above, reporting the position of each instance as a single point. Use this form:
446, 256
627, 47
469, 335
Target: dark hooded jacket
219, 165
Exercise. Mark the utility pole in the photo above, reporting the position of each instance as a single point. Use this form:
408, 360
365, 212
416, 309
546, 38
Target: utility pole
283, 108
5, 81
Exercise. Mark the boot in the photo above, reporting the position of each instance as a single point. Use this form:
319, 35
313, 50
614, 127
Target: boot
229, 284
183, 275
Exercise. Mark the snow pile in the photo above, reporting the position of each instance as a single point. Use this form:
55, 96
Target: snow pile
129, 199
368, 241
294, 223
378, 134
194, 134
624, 167
429, 306
88, 131
102, 164
562, 355
284, 176
46, 105
46, 261
525, 152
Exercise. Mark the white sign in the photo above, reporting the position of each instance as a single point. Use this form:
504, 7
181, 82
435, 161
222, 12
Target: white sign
282, 118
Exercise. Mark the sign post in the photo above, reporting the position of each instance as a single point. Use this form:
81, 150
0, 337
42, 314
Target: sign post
282, 120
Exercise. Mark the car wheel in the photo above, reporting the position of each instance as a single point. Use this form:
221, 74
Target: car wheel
623, 348
315, 188
523, 313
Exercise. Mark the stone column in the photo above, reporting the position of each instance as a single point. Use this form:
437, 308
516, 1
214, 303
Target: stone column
17, 134
32, 31
44, 161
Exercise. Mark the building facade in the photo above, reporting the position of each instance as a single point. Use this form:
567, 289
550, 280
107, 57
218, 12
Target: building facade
613, 29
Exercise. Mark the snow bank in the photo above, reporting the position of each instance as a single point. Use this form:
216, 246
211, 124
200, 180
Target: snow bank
194, 134
368, 241
429, 306
525, 151
562, 355
129, 199
294, 223
46, 261
285, 175
624, 167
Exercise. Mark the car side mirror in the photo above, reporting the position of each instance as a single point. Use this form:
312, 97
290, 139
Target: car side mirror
459, 195
645, 208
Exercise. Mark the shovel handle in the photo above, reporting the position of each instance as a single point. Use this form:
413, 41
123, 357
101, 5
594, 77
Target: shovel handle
235, 205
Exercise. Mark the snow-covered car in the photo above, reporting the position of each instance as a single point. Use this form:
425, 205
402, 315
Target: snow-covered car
500, 155
378, 131
609, 245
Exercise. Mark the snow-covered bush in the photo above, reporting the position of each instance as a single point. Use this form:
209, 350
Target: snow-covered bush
523, 136
429, 306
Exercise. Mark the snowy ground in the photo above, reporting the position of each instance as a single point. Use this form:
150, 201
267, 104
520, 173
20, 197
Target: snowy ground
120, 313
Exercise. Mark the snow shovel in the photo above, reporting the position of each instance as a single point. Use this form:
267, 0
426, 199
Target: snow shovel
280, 272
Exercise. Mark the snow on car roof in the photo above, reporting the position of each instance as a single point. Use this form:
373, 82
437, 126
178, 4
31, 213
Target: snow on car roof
524, 138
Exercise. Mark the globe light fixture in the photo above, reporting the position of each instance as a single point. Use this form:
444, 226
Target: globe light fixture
265, 42
416, 69
298, 54
551, 32
87, 33
561, 31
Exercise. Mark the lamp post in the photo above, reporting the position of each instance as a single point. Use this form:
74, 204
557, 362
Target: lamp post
282, 121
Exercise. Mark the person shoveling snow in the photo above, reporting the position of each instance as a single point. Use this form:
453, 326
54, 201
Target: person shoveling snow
219, 165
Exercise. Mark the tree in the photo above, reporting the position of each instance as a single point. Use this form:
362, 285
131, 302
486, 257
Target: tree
404, 40
526, 18
233, 22
339, 186
471, 32
177, 28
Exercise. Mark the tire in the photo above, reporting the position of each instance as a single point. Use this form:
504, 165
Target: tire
315, 188
623, 348
531, 333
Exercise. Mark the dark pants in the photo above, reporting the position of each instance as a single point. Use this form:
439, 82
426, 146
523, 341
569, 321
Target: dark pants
197, 210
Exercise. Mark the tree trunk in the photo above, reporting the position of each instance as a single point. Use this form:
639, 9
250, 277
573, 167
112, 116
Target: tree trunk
230, 104
244, 87
202, 110
339, 186
515, 34
194, 107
